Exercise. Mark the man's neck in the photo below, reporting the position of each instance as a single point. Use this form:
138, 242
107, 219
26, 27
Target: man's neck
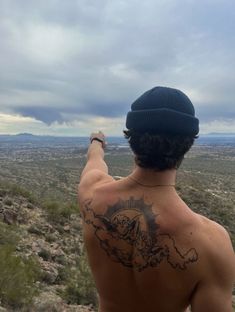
152, 177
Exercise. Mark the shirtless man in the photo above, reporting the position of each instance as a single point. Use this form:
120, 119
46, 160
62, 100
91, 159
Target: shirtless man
148, 251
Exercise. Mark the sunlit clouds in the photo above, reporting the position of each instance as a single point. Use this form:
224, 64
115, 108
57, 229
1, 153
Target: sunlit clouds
14, 124
68, 67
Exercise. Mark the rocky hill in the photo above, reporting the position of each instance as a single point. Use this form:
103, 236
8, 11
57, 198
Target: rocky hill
43, 266
42, 260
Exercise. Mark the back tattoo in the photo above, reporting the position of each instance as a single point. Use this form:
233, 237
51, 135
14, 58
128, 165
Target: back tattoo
129, 233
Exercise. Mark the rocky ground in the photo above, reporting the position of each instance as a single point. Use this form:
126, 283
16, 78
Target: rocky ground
52, 235
55, 246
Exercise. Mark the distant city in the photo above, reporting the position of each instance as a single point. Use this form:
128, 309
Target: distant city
203, 139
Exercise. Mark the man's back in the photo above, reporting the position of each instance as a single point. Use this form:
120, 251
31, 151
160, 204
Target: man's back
148, 251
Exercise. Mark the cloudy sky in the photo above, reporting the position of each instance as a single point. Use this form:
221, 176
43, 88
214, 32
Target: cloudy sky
72, 67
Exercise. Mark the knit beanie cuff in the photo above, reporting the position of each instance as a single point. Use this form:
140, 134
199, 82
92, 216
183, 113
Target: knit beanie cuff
162, 120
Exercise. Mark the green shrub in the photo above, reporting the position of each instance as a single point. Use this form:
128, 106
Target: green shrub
45, 254
80, 287
8, 234
59, 212
50, 238
17, 278
14, 189
64, 274
33, 229
17, 190
17, 275
69, 209
8, 202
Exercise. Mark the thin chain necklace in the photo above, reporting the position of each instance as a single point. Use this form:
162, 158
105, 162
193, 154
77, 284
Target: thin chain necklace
147, 185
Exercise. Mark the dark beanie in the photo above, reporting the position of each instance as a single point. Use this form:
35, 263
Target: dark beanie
163, 110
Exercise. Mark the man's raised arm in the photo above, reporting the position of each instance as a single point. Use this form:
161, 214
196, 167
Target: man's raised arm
95, 171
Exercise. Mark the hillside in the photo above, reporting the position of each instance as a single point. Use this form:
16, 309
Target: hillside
40, 226
46, 267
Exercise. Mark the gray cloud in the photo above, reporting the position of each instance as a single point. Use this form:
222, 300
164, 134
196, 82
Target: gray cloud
46, 114
218, 111
95, 57
50, 114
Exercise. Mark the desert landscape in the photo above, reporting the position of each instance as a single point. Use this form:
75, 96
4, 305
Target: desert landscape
41, 229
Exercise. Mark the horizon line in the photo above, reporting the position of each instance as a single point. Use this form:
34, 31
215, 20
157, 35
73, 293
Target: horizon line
114, 136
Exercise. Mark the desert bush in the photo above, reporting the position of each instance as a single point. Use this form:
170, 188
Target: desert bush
14, 189
80, 286
17, 275
8, 202
17, 278
33, 229
50, 238
45, 254
8, 234
64, 274
59, 212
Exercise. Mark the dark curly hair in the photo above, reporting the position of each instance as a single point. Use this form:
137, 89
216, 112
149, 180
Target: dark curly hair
158, 151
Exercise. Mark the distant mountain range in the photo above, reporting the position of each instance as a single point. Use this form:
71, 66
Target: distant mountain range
212, 139
25, 134
223, 134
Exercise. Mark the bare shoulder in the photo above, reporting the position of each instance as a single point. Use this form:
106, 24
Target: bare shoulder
98, 193
217, 246
90, 182
213, 231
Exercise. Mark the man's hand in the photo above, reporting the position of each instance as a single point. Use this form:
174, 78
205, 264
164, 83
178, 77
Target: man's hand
99, 136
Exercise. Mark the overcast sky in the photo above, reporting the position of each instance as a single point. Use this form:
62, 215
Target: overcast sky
72, 67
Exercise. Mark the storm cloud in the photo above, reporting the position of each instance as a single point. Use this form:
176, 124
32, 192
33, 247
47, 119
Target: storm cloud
62, 61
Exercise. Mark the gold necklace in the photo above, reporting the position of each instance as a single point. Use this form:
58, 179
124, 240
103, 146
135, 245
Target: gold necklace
147, 185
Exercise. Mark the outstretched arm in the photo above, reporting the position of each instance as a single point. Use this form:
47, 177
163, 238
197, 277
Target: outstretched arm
95, 171
95, 155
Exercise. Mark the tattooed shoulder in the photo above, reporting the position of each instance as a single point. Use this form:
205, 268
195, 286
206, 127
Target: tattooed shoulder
129, 234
